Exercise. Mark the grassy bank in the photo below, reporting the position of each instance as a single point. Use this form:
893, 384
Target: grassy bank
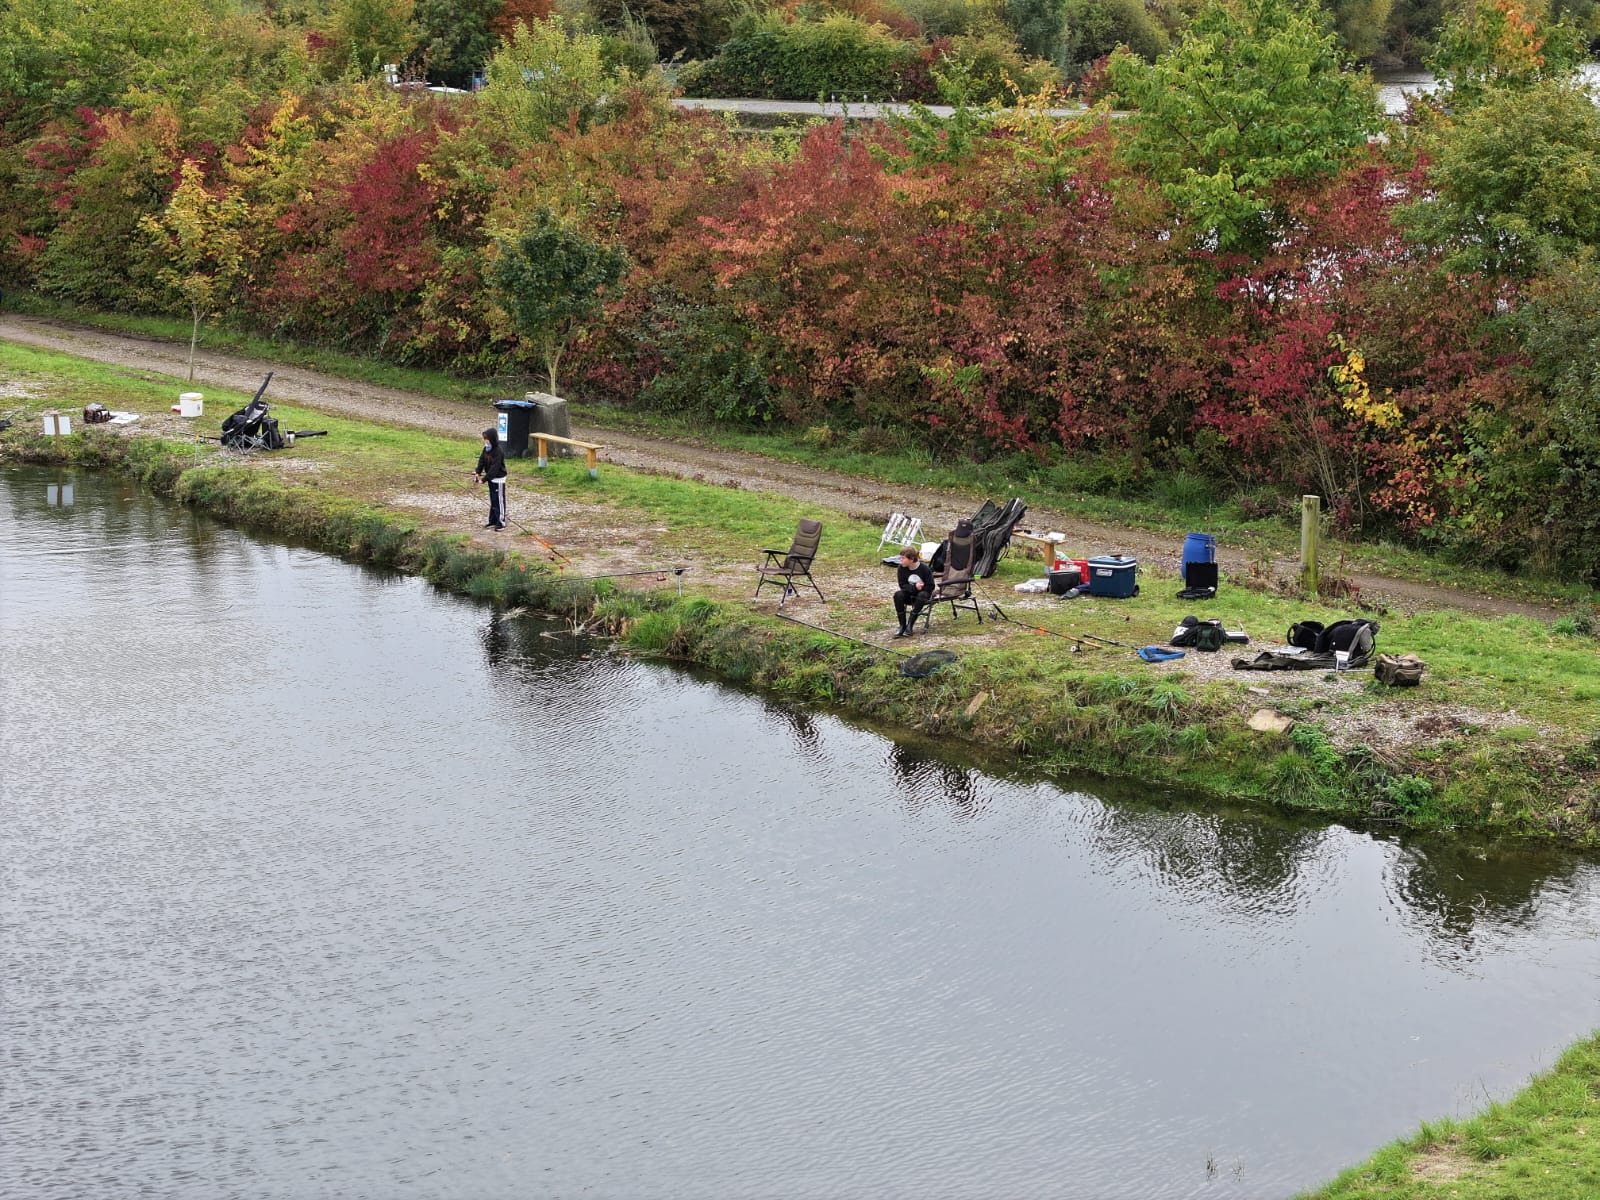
1498, 738
1257, 521
1542, 1144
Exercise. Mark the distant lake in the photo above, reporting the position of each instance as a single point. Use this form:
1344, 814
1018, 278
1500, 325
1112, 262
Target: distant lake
1395, 86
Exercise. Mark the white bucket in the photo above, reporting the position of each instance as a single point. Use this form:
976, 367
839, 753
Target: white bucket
191, 404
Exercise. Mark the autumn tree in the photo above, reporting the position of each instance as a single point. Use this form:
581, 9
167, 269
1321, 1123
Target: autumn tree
198, 234
552, 280
1254, 96
1500, 45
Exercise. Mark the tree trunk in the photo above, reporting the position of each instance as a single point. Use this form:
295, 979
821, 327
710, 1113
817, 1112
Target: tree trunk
552, 356
194, 337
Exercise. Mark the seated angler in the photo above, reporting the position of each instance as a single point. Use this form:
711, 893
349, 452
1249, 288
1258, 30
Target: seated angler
916, 585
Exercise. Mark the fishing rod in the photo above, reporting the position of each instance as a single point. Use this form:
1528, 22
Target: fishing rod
659, 572
554, 553
845, 636
1106, 641
915, 666
1077, 642
1077, 637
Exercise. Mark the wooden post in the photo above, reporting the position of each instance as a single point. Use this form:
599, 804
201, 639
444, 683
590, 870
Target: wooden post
542, 448
1310, 529
594, 464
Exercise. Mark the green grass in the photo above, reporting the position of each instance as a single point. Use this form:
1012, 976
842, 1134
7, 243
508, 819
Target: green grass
1542, 1144
1086, 486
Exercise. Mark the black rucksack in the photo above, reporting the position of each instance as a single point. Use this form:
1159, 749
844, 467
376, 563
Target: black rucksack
1305, 634
1200, 635
1347, 635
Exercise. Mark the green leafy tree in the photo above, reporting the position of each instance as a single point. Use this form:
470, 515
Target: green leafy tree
552, 280
456, 37
687, 27
371, 34
1539, 498
1361, 25
198, 234
1037, 24
1255, 96
1095, 28
1515, 181
204, 60
1561, 329
1499, 45
545, 75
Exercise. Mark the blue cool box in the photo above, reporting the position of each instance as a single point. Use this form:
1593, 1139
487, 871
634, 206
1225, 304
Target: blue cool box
1113, 575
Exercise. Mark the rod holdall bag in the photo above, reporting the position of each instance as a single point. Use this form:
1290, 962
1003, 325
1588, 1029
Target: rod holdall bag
1399, 670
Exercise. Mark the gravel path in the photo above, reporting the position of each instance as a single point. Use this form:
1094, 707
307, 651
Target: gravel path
855, 497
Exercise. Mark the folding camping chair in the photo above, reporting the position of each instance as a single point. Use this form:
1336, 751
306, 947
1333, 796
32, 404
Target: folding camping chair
953, 586
785, 566
901, 531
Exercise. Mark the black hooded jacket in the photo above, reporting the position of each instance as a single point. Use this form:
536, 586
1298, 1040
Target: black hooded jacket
492, 462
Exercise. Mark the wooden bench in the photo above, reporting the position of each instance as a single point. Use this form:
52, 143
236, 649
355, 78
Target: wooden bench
542, 449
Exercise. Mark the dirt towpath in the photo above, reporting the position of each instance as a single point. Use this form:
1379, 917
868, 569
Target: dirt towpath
862, 498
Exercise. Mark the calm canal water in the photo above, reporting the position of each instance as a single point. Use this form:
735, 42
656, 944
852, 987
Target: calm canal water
321, 884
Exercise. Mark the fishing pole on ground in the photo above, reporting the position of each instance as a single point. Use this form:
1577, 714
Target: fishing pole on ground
554, 553
917, 666
660, 573
1077, 642
1094, 637
1105, 641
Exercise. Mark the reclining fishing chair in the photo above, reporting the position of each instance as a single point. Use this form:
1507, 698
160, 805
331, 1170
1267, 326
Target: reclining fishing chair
953, 586
783, 567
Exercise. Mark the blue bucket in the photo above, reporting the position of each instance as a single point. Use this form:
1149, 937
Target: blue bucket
1197, 547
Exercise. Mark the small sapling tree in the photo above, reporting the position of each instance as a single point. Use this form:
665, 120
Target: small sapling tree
552, 280
198, 232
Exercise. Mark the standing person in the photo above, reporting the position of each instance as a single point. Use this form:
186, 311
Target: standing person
491, 469
916, 585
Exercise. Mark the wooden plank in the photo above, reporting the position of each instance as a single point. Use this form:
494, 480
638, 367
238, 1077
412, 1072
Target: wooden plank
541, 444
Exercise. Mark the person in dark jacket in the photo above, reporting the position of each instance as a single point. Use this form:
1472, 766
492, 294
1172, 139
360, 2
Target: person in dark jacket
491, 469
916, 585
